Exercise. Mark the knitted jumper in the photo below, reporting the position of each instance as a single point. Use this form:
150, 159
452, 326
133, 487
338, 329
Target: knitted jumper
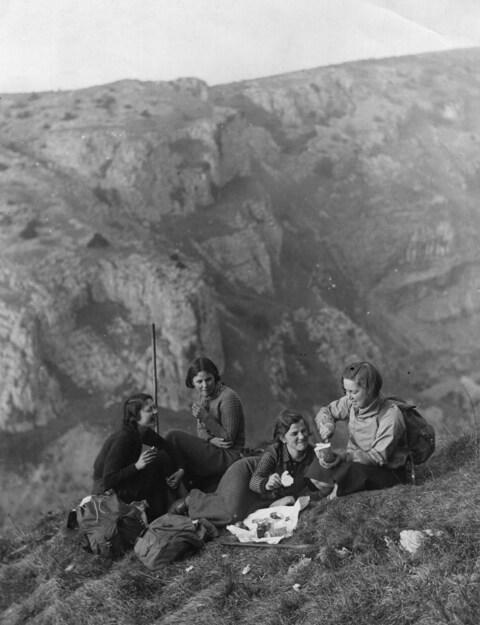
276, 459
224, 417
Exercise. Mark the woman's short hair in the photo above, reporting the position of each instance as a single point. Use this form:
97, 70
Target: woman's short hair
132, 407
285, 420
201, 364
365, 375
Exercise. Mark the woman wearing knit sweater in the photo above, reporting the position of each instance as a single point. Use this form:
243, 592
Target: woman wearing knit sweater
376, 452
252, 483
220, 423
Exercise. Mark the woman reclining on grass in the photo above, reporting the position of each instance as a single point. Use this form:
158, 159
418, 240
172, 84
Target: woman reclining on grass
376, 452
256, 482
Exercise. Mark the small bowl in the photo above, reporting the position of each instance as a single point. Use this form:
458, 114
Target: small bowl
326, 452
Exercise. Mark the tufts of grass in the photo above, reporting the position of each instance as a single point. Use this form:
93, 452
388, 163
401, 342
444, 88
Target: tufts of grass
356, 572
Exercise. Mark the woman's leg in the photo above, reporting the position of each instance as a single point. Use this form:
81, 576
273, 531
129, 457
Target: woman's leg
150, 484
350, 477
232, 501
198, 457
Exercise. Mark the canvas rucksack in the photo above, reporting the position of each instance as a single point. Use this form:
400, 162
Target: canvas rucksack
109, 525
172, 537
420, 434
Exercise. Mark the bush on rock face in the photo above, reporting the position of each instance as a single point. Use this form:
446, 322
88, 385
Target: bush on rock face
98, 241
30, 231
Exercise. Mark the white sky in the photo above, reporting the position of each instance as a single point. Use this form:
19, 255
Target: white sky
67, 44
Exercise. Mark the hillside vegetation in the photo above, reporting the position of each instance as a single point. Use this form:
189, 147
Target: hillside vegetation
354, 571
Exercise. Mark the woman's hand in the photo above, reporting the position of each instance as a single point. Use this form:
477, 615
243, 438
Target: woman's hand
326, 431
146, 457
198, 411
174, 480
220, 442
274, 481
340, 456
360, 456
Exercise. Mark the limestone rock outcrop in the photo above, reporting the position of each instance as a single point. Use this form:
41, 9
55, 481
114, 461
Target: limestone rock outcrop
280, 226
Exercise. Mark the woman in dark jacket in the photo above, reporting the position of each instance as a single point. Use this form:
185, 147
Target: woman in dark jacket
135, 461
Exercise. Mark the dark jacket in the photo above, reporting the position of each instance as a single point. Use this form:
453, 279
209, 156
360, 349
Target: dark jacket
115, 463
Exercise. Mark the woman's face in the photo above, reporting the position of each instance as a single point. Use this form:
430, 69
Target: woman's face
204, 382
147, 414
296, 438
355, 393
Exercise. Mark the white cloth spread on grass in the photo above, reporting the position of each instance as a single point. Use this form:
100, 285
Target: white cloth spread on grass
269, 525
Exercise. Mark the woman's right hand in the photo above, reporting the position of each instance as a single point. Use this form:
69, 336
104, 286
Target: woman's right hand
146, 457
325, 430
274, 481
198, 411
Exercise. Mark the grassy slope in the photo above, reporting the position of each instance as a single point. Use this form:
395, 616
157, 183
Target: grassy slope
351, 575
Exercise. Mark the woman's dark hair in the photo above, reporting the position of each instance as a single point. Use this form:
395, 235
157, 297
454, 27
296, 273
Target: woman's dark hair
132, 407
366, 376
201, 364
285, 420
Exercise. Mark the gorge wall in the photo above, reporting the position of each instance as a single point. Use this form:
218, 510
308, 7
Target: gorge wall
281, 226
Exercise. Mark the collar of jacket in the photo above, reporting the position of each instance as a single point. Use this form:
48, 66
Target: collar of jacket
372, 409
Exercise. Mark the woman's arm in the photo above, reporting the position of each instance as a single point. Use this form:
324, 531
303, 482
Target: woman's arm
326, 417
267, 466
230, 412
119, 463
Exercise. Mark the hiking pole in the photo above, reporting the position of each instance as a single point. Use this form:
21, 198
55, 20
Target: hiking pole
155, 390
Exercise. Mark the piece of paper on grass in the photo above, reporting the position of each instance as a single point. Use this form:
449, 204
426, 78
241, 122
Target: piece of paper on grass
274, 524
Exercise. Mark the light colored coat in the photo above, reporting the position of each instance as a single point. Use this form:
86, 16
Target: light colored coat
377, 433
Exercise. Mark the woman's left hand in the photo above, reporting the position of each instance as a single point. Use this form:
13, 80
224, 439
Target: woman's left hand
328, 465
360, 456
220, 442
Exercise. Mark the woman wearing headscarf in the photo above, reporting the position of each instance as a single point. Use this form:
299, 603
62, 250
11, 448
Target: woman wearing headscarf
376, 452
220, 424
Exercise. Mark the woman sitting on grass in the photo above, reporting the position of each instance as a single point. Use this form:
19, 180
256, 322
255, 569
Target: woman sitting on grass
257, 482
220, 423
376, 452
135, 474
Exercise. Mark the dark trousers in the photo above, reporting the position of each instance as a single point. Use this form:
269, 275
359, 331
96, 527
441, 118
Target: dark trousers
202, 461
352, 477
233, 500
150, 484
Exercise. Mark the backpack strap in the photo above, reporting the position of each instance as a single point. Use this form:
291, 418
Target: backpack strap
410, 469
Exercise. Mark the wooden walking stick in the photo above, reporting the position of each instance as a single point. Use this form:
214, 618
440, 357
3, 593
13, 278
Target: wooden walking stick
155, 389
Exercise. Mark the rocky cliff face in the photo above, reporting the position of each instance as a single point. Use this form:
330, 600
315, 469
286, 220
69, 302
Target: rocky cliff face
280, 225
